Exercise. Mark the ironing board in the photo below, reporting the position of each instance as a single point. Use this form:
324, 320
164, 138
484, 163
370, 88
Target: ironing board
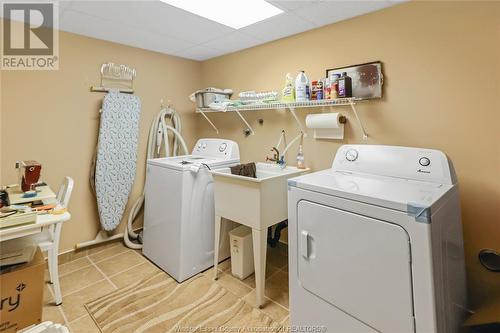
116, 156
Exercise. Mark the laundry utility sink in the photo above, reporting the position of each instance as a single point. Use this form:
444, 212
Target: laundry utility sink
255, 202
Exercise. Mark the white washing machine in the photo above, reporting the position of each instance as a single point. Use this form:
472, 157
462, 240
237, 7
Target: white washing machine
179, 208
376, 243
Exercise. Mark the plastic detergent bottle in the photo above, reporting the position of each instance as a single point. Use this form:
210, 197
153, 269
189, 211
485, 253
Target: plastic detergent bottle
334, 87
300, 159
345, 85
302, 93
288, 93
327, 89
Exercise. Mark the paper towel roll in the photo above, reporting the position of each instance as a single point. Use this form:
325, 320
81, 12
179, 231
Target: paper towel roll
323, 120
326, 125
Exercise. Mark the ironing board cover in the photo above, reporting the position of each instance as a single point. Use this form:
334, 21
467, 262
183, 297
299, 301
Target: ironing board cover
116, 156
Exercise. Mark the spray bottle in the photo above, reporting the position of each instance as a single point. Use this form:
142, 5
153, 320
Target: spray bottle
288, 93
300, 155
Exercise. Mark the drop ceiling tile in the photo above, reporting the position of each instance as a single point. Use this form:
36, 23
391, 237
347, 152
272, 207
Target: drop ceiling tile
155, 16
95, 27
327, 12
233, 42
289, 5
161, 43
200, 52
280, 26
59, 5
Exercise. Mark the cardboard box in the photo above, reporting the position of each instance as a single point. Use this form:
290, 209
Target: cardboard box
21, 295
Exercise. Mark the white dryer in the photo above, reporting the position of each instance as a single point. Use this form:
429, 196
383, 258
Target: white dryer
179, 209
376, 243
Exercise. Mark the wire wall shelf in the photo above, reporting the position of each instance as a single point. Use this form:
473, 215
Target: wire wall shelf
281, 105
292, 106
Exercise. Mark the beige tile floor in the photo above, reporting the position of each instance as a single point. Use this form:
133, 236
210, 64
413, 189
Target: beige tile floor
106, 268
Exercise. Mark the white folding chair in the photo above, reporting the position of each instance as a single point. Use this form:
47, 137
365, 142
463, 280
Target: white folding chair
48, 239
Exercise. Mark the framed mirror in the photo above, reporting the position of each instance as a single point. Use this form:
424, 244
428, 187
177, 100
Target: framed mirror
367, 79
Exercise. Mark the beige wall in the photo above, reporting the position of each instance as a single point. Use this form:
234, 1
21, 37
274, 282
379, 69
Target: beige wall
442, 70
52, 117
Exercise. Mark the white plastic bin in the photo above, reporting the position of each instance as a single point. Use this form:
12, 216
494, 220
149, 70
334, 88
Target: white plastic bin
241, 252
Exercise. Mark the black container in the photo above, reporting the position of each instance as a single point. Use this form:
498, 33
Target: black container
344, 86
3, 199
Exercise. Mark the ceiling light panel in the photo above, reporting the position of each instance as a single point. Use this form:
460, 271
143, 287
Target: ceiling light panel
232, 13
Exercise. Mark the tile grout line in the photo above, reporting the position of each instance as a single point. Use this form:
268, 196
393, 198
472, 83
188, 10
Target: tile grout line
105, 276
271, 300
75, 270
104, 248
282, 323
88, 258
112, 256
80, 289
120, 272
127, 269
87, 254
267, 278
82, 316
91, 261
59, 307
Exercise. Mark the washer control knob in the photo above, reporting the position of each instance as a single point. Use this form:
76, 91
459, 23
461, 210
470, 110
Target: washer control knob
351, 155
424, 161
222, 147
204, 145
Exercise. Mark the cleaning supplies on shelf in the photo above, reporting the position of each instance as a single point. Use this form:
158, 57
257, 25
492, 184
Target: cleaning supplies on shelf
327, 89
302, 93
314, 90
288, 93
319, 92
334, 89
344, 86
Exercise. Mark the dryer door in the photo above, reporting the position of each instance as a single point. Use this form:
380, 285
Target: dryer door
358, 264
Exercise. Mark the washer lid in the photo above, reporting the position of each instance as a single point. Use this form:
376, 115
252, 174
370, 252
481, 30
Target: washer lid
390, 192
186, 162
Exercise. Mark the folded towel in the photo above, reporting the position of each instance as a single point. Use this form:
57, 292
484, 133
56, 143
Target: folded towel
246, 170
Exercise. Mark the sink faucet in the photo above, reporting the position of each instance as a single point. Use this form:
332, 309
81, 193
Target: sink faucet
280, 160
276, 155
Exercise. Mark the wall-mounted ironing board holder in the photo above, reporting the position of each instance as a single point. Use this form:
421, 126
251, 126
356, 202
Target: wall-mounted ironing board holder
287, 106
116, 77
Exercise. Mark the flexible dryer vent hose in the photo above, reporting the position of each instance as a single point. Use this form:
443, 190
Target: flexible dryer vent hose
158, 138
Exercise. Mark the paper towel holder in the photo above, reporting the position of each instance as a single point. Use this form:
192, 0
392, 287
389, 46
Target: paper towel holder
322, 130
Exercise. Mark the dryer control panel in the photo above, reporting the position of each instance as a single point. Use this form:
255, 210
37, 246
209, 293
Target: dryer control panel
218, 148
402, 162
